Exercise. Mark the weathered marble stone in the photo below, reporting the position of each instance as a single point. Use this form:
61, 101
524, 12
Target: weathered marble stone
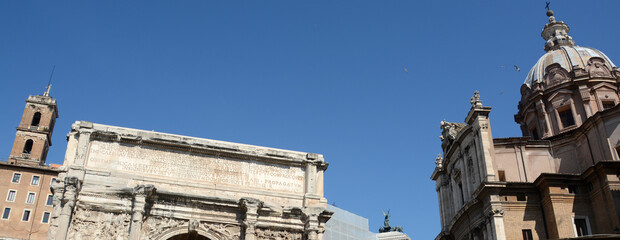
121, 183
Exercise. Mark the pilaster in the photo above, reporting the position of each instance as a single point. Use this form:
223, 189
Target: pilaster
314, 222
313, 189
495, 214
68, 201
251, 207
142, 198
478, 118
543, 119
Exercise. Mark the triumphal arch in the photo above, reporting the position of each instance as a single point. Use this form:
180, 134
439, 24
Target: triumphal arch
121, 183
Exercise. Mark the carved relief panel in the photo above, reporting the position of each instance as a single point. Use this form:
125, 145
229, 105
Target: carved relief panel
87, 224
268, 234
596, 68
554, 75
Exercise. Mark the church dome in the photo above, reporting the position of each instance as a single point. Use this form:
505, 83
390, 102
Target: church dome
570, 58
566, 86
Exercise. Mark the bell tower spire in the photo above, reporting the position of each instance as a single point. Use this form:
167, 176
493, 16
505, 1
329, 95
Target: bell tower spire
49, 83
34, 132
556, 33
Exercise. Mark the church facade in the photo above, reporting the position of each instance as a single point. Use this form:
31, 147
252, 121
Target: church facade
560, 180
121, 183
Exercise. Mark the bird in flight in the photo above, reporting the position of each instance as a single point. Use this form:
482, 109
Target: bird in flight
404, 68
517, 68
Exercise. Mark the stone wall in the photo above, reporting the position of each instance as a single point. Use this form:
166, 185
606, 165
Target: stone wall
122, 183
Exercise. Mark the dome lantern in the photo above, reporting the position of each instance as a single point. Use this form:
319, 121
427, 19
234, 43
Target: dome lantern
556, 34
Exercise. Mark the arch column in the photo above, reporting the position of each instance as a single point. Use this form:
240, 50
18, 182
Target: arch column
142, 195
71, 186
251, 207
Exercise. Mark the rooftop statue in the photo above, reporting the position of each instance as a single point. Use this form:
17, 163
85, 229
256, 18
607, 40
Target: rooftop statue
386, 224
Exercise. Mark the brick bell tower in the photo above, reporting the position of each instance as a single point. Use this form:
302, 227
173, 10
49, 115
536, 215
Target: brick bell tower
34, 133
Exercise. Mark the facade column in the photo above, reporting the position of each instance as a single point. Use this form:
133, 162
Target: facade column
142, 198
496, 218
584, 92
72, 181
543, 119
251, 207
488, 232
315, 219
71, 188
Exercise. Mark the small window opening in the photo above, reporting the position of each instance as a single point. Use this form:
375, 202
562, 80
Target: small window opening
46, 217
590, 187
16, 177
608, 105
502, 175
581, 226
35, 180
30, 198
6, 213
462, 194
50, 200
28, 146
11, 196
572, 189
527, 234
26, 216
534, 131
566, 117
36, 119
521, 197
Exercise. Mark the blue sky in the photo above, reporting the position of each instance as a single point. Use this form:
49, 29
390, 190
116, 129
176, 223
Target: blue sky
317, 76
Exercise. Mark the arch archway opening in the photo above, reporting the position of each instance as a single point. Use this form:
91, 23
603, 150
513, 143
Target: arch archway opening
189, 236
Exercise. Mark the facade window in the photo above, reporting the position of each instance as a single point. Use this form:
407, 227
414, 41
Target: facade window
534, 133
6, 213
521, 197
608, 104
36, 119
462, 194
582, 227
16, 177
26, 216
30, 198
35, 180
50, 200
572, 189
501, 175
46, 217
28, 146
527, 234
11, 196
566, 117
